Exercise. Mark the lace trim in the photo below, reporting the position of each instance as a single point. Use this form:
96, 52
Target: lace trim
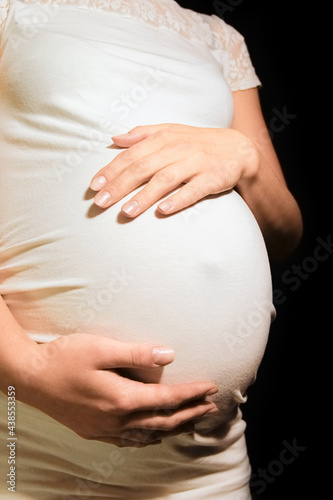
4, 8
225, 43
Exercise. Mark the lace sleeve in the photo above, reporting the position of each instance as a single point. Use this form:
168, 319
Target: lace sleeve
231, 52
4, 7
225, 43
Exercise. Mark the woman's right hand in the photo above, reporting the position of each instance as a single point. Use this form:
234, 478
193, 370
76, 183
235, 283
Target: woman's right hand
74, 379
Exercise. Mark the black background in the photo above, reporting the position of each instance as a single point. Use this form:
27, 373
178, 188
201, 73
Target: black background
289, 401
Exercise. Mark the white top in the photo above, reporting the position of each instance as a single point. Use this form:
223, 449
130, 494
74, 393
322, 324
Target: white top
224, 42
71, 75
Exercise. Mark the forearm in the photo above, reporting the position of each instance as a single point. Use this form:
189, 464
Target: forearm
265, 189
275, 209
15, 347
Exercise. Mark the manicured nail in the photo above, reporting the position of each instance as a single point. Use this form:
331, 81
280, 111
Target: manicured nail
102, 198
130, 208
165, 206
121, 136
97, 183
163, 355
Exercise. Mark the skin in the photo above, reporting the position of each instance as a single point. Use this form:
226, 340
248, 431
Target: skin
76, 380
205, 161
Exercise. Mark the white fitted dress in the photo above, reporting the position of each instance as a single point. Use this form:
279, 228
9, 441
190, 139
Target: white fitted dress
72, 74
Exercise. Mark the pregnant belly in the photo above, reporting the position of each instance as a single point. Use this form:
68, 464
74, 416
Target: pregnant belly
197, 281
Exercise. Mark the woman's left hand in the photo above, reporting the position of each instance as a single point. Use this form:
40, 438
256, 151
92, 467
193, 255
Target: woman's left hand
199, 161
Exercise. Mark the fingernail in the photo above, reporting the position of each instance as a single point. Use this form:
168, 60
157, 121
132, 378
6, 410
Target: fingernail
97, 183
165, 206
163, 355
212, 391
121, 136
102, 198
130, 208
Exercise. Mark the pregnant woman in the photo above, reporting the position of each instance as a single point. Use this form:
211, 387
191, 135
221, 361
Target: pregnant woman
139, 195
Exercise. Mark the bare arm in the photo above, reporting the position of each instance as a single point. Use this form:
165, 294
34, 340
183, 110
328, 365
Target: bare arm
265, 191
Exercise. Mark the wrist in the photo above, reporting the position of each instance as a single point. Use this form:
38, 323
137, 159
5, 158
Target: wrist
17, 368
251, 162
246, 157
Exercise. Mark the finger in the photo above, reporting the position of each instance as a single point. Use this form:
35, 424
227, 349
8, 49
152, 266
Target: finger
142, 435
138, 134
116, 354
138, 396
125, 443
139, 437
134, 175
182, 169
136, 166
169, 420
162, 183
196, 189
136, 150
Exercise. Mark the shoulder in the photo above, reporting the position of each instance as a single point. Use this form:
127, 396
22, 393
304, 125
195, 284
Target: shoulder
229, 48
4, 8
224, 42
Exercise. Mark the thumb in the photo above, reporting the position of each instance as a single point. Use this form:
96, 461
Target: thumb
118, 354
